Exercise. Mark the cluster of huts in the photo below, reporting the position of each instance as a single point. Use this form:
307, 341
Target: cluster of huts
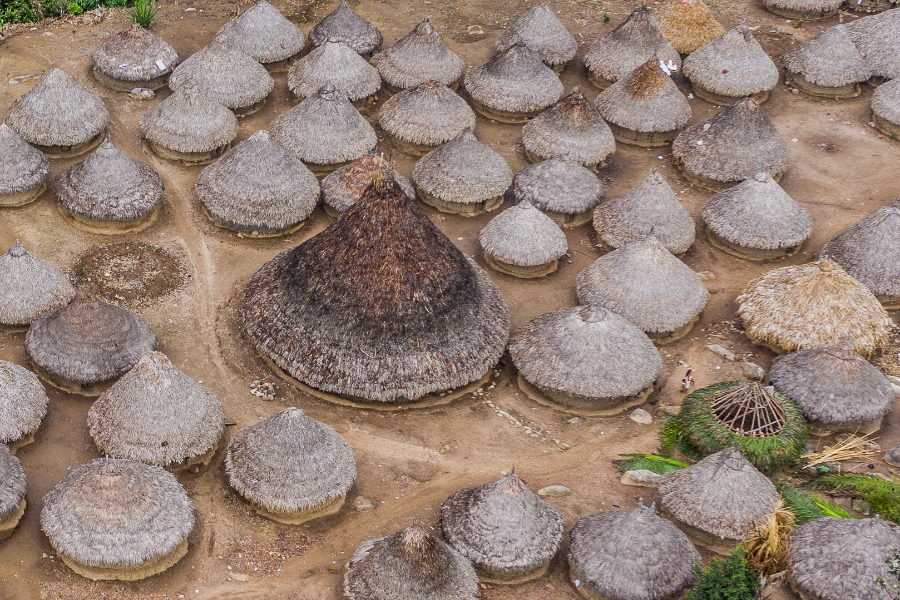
382, 308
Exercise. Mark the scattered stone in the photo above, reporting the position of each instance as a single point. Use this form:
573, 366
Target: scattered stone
721, 351
670, 409
895, 384
444, 449
190, 10
795, 91
706, 275
262, 390
574, 421
240, 576
23, 78
639, 415
753, 371
363, 504
642, 478
892, 457
554, 491
142, 94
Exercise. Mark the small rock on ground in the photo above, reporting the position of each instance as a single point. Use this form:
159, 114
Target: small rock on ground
554, 491
363, 504
239, 576
892, 456
721, 351
639, 415
753, 371
642, 478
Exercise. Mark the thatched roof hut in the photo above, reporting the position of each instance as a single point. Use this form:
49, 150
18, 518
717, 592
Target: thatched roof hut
731, 146
258, 187
651, 206
424, 117
385, 348
561, 188
409, 564
627, 47
345, 186
118, 519
132, 58
730, 67
719, 500
885, 109
29, 287
829, 65
59, 116
645, 107
109, 190
12, 492
344, 25
810, 306
644, 283
263, 34
876, 38
513, 86
23, 404
23, 170
523, 242
630, 555
290, 467
463, 176
807, 10
586, 358
325, 131
836, 388
86, 344
687, 24
542, 32
158, 415
337, 63
418, 56
756, 219
505, 529
571, 126
189, 126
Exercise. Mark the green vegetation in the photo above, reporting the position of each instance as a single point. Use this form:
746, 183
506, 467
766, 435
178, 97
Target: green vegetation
143, 13
725, 579
651, 462
893, 562
28, 11
806, 507
883, 495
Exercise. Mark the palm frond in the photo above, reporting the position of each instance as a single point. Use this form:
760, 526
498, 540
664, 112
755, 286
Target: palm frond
651, 462
883, 495
769, 546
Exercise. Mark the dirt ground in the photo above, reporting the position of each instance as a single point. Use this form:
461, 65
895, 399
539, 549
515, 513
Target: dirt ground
408, 461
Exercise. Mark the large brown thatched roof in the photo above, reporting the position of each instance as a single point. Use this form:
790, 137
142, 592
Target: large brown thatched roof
290, 463
409, 564
12, 483
723, 494
57, 112
813, 305
132, 54
23, 404
876, 38
429, 114
542, 32
514, 81
829, 60
380, 306
885, 102
628, 46
523, 235
344, 187
190, 121
644, 283
732, 65
687, 24
559, 185
417, 57
229, 76
344, 25
22, 167
646, 100
635, 554
338, 63
29, 287
88, 341
263, 34
117, 513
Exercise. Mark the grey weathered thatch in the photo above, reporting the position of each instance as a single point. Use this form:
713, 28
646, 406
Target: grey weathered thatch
885, 109
542, 32
132, 58
462, 176
29, 287
513, 86
503, 528
561, 188
58, 115
258, 186
291, 467
731, 146
687, 24
631, 555
263, 34
334, 62
189, 126
157, 415
876, 38
344, 187
651, 206
344, 25
13, 486
571, 126
523, 241
828, 65
757, 219
409, 564
644, 283
809, 10
417, 57
118, 519
23, 404
23, 170
426, 116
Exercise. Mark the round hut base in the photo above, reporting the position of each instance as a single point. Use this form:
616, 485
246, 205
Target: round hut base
392, 89
512, 578
748, 253
18, 328
331, 507
72, 387
820, 429
567, 221
721, 99
251, 232
24, 197
662, 338
243, 111
331, 211
644, 138
458, 208
889, 128
188, 158
585, 590
136, 572
803, 15
536, 158
581, 405
73, 150
706, 182
523, 272
599, 81
23, 441
194, 464
504, 116
320, 170
714, 543
109, 227
411, 148
126, 86
804, 595
283, 65
8, 525
807, 87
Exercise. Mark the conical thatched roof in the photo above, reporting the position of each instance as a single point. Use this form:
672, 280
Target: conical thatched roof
723, 495
732, 145
229, 76
559, 185
157, 415
628, 46
23, 404
504, 528
263, 34
258, 186
804, 9
339, 64
88, 341
571, 126
380, 306
885, 103
109, 185
829, 60
324, 129
542, 32
833, 384
57, 112
116, 514
733, 65
29, 287
21, 166
687, 24
190, 121
417, 57
651, 206
522, 235
810, 306
12, 483
344, 25
644, 283
409, 564
132, 56
876, 38
427, 115
344, 187
631, 555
